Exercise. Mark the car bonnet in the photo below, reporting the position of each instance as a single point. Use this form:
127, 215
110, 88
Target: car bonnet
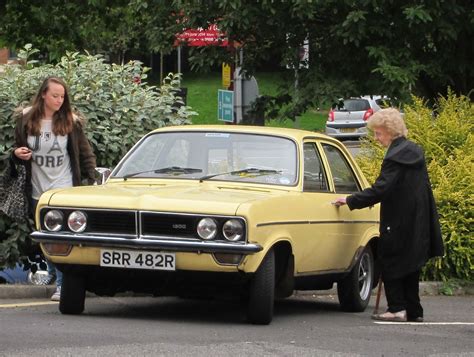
208, 198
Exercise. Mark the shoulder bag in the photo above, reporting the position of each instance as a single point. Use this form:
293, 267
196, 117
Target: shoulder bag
13, 200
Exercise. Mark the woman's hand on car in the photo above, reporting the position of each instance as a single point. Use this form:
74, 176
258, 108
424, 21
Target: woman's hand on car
341, 201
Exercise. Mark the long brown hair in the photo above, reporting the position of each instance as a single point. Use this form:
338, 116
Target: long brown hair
62, 119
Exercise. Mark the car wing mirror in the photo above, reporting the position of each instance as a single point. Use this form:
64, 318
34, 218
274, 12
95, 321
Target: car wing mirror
102, 174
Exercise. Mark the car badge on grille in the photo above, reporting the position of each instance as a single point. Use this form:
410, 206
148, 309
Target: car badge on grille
179, 226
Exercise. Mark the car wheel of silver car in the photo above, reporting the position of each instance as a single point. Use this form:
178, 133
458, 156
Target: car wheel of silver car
262, 292
73, 294
355, 289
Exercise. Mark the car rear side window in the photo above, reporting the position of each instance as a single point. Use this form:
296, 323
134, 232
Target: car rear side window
314, 175
343, 177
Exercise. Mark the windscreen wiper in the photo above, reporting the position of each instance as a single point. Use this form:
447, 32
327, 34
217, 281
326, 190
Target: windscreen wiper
177, 169
250, 170
165, 170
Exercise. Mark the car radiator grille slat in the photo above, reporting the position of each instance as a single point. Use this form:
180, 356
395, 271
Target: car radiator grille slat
168, 225
112, 222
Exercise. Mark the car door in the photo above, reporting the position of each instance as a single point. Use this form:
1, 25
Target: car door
322, 244
351, 226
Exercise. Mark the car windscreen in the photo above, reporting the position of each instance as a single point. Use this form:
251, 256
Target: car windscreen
225, 156
353, 105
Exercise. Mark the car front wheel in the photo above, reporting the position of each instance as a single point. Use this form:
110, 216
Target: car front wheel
73, 294
262, 292
354, 290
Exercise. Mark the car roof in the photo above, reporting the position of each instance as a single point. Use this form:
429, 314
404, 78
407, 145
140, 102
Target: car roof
296, 134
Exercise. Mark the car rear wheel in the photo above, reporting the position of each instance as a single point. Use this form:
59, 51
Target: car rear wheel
73, 294
355, 289
262, 292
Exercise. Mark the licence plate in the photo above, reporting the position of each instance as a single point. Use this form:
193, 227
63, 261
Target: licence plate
347, 130
137, 259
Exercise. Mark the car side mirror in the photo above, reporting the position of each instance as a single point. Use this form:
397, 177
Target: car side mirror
103, 174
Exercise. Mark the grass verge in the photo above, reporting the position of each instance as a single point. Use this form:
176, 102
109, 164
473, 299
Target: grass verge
202, 97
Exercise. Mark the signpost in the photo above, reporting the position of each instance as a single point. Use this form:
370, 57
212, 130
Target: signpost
225, 105
246, 89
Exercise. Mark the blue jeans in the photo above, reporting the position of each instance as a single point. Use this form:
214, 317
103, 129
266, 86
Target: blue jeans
52, 270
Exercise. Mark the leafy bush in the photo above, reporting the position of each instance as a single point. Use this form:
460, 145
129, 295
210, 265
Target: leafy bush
446, 135
118, 105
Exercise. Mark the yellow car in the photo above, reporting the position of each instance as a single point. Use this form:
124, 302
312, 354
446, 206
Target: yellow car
216, 210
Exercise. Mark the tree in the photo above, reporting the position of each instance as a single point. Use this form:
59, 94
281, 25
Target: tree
113, 28
356, 47
397, 48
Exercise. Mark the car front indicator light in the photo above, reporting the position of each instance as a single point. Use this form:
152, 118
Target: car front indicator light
57, 248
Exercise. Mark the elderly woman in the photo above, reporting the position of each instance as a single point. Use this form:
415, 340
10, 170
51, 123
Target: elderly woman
409, 228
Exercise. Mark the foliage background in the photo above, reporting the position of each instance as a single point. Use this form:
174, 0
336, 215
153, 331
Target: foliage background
393, 48
119, 106
447, 136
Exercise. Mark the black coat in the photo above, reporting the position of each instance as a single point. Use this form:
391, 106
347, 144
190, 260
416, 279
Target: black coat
409, 228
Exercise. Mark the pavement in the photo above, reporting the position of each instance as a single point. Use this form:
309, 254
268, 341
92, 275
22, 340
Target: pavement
24, 291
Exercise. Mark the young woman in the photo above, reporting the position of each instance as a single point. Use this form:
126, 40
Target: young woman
409, 228
50, 142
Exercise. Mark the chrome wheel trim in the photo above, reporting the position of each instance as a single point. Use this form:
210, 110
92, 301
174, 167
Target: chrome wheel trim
365, 276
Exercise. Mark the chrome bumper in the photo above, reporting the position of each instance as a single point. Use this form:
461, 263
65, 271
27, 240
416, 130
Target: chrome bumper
181, 245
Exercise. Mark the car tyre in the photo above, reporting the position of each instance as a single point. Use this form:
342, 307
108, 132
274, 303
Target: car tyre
262, 292
354, 290
73, 294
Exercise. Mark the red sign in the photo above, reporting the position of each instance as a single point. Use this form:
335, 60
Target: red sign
203, 37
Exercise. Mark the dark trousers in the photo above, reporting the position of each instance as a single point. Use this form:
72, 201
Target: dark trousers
403, 294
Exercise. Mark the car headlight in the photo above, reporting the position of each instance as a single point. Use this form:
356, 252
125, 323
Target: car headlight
233, 230
53, 220
207, 228
77, 221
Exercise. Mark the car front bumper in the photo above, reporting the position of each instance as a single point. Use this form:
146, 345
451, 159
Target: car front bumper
144, 242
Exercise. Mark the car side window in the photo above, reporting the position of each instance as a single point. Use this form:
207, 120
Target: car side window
344, 178
314, 176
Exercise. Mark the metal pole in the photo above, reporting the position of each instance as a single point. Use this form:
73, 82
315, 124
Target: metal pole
377, 300
161, 68
295, 101
179, 59
238, 90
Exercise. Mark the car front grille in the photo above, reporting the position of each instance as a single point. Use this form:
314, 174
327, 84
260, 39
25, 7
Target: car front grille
163, 224
116, 222
136, 224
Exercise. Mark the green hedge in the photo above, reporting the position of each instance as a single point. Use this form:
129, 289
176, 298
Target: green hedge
446, 134
118, 104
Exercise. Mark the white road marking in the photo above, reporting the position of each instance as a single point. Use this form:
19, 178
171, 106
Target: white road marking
423, 323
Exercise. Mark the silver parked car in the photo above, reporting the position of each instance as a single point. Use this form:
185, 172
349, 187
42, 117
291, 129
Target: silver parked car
348, 118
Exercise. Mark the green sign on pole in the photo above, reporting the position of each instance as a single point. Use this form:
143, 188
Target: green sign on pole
225, 105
